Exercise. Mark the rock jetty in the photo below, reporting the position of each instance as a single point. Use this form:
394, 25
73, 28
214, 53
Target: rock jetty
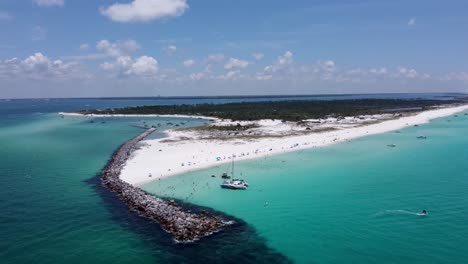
184, 225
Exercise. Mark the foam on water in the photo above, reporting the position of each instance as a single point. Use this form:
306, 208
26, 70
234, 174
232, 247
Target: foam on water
398, 212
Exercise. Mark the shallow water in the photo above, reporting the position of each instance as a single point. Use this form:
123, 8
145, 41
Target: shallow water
356, 202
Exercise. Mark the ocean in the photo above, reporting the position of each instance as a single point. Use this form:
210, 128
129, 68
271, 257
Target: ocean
354, 202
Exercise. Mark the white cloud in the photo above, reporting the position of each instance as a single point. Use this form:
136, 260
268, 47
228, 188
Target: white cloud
326, 69
408, 73
145, 10
84, 46
188, 63
49, 2
381, 71
197, 76
286, 59
282, 64
328, 66
170, 50
37, 66
143, 66
5, 16
217, 57
119, 48
234, 63
231, 75
257, 56
412, 22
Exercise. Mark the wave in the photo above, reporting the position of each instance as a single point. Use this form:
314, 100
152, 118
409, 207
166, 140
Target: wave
398, 212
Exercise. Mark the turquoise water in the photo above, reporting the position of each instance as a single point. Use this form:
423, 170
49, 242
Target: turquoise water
348, 203
356, 202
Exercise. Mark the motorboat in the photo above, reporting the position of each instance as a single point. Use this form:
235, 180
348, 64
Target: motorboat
421, 137
391, 145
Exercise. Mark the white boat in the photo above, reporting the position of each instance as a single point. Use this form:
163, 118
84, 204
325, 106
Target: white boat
234, 184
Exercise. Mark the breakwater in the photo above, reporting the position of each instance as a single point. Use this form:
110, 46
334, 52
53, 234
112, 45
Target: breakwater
182, 224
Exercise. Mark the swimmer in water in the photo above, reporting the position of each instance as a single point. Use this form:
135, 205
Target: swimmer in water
424, 212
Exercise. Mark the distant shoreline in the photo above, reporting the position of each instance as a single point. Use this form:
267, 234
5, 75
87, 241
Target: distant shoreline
439, 94
137, 115
286, 109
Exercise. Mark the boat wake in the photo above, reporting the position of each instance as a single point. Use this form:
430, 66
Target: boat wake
398, 212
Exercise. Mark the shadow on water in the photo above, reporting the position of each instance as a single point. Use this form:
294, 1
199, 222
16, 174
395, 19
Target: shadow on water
238, 243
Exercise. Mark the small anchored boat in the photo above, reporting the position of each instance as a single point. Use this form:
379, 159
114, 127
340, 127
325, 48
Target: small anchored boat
421, 137
391, 145
225, 176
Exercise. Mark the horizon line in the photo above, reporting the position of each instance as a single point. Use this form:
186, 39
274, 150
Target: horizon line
225, 96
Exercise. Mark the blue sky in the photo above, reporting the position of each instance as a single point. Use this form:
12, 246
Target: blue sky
73, 48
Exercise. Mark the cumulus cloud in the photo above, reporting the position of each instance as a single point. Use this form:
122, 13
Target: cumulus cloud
119, 48
203, 75
197, 76
49, 2
286, 59
282, 64
145, 10
144, 66
234, 63
231, 75
381, 71
170, 50
408, 73
326, 69
188, 63
37, 66
412, 22
328, 66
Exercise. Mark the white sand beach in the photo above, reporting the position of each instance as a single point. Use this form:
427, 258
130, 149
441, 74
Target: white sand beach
185, 151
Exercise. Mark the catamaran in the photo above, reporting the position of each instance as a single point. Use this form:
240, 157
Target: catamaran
234, 184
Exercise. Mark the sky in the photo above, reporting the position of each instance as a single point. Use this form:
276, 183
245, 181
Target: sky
112, 48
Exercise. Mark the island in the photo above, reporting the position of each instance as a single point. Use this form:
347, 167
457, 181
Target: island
243, 131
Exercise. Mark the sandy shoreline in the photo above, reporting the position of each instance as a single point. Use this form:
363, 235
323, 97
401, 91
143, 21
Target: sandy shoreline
159, 158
